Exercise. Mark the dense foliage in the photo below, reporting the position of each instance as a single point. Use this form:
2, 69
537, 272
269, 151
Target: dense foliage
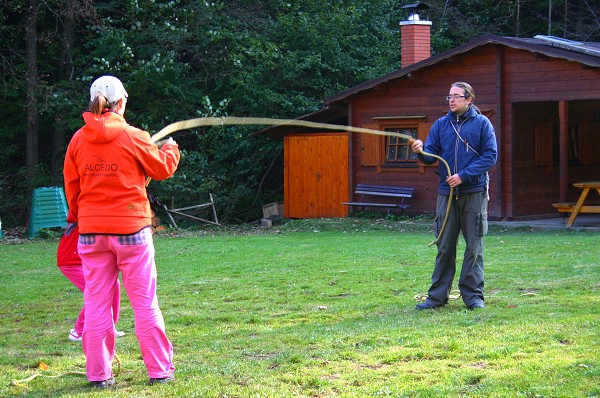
182, 59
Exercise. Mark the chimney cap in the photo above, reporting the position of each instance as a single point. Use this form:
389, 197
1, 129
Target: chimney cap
416, 7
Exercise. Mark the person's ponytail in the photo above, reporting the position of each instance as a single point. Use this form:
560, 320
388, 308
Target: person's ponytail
98, 104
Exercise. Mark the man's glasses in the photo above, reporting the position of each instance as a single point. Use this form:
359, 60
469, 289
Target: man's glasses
455, 96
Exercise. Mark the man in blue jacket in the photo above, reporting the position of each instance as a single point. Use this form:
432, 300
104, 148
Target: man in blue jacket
466, 140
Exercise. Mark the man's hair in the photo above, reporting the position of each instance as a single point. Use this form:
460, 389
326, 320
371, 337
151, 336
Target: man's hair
469, 93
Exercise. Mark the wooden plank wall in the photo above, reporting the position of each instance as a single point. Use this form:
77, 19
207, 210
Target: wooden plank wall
535, 85
524, 91
423, 93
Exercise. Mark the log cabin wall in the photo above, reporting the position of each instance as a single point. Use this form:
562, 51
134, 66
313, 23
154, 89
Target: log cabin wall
536, 151
536, 174
422, 94
519, 91
535, 84
543, 102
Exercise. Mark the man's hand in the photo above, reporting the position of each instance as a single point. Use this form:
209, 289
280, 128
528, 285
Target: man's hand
416, 146
454, 180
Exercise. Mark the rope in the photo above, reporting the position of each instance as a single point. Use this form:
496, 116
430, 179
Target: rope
233, 120
454, 295
43, 366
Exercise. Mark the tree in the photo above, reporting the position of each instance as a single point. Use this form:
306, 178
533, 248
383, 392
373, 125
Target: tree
183, 59
32, 85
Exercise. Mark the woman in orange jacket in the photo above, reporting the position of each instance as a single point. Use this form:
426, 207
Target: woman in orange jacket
105, 168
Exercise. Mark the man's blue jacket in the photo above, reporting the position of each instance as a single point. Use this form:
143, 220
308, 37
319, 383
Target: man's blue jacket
468, 143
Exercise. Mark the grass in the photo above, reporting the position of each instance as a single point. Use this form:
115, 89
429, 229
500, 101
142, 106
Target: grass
324, 308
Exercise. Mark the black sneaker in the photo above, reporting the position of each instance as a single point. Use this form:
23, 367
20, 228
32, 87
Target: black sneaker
162, 380
428, 306
103, 384
476, 306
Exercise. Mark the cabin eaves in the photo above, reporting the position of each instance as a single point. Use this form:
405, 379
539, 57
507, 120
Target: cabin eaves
585, 53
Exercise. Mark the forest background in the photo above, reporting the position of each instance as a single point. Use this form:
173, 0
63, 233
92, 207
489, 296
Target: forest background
184, 59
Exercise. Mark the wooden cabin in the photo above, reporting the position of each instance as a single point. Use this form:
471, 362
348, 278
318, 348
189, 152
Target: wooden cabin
542, 96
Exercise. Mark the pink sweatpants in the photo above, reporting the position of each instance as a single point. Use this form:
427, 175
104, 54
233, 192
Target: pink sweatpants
103, 256
74, 273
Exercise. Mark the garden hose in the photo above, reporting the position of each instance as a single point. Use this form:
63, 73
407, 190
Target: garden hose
233, 120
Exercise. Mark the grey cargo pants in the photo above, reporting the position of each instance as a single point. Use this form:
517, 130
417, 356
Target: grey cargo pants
468, 213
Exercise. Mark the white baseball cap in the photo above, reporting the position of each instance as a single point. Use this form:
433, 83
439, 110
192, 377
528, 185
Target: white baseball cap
108, 86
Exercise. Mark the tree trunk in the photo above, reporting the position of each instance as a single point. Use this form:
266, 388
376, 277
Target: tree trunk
518, 28
65, 72
550, 18
31, 135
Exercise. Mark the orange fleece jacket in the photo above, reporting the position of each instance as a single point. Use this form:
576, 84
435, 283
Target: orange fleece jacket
105, 168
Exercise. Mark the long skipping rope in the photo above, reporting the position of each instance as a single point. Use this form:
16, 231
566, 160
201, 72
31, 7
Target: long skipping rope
44, 367
234, 120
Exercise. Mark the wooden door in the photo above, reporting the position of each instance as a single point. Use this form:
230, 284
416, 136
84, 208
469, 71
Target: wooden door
316, 175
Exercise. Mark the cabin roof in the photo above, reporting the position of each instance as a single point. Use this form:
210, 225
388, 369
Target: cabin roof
585, 53
336, 111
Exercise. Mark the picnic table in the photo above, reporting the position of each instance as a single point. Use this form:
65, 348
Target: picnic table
581, 206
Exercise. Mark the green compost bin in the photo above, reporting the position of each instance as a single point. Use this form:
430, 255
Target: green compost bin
48, 210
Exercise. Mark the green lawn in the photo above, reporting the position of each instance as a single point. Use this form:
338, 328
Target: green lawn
324, 308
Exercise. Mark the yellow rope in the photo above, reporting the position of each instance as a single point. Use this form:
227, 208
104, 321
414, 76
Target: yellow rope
234, 120
23, 382
454, 295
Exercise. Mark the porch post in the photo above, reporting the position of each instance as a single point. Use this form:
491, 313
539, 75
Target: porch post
563, 114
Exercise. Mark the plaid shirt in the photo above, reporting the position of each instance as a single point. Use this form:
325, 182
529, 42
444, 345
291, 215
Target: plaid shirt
137, 239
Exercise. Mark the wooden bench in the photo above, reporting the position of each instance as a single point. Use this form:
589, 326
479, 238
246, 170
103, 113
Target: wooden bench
582, 205
566, 207
380, 190
569, 207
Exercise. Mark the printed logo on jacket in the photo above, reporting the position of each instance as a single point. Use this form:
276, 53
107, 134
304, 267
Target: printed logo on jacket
101, 168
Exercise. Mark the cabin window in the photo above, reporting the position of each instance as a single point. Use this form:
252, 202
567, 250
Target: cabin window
582, 144
392, 153
397, 149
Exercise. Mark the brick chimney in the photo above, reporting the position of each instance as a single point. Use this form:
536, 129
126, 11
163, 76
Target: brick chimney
415, 36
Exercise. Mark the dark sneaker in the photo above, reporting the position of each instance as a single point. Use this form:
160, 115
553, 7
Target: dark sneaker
426, 305
475, 306
103, 384
162, 380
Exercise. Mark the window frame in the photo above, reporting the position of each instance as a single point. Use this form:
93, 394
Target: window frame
400, 145
400, 123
